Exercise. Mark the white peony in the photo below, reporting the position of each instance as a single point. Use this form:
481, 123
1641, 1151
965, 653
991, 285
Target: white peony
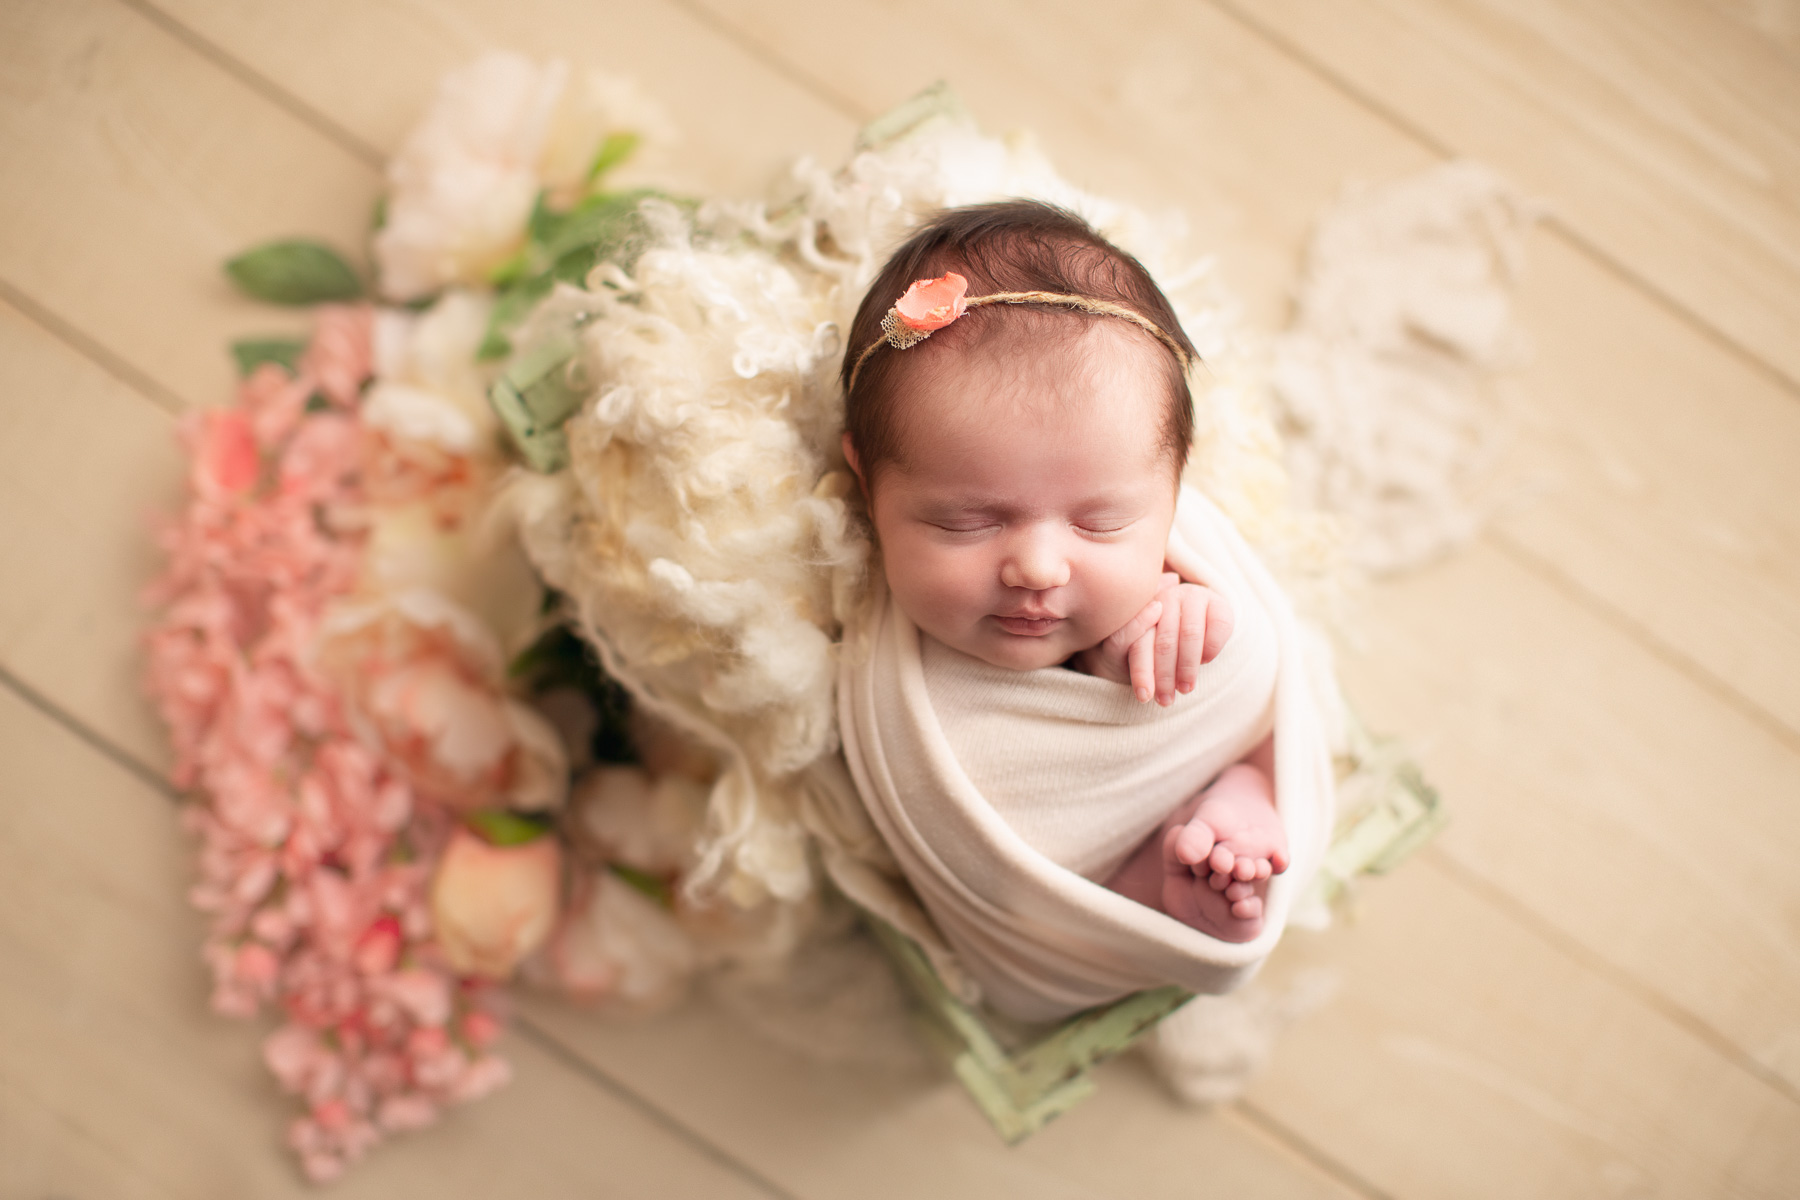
428, 385
461, 188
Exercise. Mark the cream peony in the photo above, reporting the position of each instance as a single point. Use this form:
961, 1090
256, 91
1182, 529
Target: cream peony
493, 905
462, 187
428, 385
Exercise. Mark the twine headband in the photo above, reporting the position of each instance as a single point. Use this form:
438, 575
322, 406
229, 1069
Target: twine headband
914, 317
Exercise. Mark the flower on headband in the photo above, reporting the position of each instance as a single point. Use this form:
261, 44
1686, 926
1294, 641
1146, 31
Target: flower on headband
931, 304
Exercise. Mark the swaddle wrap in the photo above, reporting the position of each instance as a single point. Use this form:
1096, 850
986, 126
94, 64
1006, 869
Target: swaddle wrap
1076, 774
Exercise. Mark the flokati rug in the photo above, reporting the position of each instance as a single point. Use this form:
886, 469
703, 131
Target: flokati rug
446, 722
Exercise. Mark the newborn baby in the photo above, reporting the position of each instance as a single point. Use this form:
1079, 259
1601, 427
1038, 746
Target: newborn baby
1019, 420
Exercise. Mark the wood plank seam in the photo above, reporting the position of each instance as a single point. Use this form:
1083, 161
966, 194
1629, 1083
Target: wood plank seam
785, 70
101, 745
1697, 1027
544, 1040
1694, 671
1553, 222
94, 351
557, 1050
1260, 1118
283, 99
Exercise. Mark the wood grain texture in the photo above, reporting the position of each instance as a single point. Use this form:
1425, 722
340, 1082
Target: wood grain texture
1664, 134
828, 1130
134, 170
69, 621
371, 66
1463, 1057
1599, 789
117, 1081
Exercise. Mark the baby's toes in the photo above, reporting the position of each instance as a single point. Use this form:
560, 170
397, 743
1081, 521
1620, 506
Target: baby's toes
1245, 868
1239, 889
1218, 881
1223, 860
1263, 869
1247, 909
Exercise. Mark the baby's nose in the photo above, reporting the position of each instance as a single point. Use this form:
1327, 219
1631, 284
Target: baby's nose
1033, 563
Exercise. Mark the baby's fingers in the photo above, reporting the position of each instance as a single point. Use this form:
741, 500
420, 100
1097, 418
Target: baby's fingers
1168, 648
1134, 646
1190, 651
1219, 624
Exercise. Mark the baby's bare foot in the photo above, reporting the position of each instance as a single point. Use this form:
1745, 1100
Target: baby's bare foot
1216, 867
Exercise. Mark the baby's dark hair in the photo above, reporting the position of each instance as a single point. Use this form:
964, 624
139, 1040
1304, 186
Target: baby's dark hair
1006, 246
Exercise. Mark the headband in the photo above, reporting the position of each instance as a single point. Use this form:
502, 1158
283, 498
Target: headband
931, 304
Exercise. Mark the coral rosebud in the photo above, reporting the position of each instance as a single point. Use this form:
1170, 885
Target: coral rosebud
933, 303
493, 905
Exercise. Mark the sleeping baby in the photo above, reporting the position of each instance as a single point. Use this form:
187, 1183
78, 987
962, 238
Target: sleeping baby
1079, 715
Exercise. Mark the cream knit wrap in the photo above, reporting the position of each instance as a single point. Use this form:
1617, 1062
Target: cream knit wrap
1005, 796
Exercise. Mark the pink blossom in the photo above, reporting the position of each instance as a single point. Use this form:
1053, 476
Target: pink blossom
226, 460
315, 852
274, 401
480, 1029
931, 304
340, 355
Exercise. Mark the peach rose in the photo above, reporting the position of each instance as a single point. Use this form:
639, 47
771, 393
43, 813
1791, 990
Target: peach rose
933, 303
493, 905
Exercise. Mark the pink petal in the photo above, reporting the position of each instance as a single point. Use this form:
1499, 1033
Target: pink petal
933, 303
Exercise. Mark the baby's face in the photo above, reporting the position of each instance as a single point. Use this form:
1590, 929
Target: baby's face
1028, 516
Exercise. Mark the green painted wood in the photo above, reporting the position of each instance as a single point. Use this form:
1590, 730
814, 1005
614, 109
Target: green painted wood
533, 397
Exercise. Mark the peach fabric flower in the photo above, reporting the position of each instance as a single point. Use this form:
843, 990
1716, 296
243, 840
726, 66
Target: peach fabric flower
494, 904
931, 304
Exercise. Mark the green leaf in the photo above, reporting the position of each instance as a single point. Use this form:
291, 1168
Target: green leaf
614, 150
294, 271
503, 827
252, 353
564, 247
642, 881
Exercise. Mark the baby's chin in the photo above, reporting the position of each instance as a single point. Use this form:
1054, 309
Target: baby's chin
1016, 653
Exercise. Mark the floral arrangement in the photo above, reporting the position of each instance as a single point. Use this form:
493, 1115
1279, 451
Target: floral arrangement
359, 670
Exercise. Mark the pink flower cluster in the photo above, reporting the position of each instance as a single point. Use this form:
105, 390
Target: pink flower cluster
316, 856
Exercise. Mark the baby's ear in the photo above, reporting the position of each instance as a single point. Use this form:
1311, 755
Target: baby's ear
855, 464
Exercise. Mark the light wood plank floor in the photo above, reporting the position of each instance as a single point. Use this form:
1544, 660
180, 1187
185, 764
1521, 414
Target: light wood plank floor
1590, 986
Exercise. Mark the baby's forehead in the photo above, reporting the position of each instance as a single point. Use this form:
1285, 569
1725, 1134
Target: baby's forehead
1016, 374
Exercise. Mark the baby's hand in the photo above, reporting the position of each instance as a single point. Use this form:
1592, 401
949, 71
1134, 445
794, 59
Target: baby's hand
1160, 650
